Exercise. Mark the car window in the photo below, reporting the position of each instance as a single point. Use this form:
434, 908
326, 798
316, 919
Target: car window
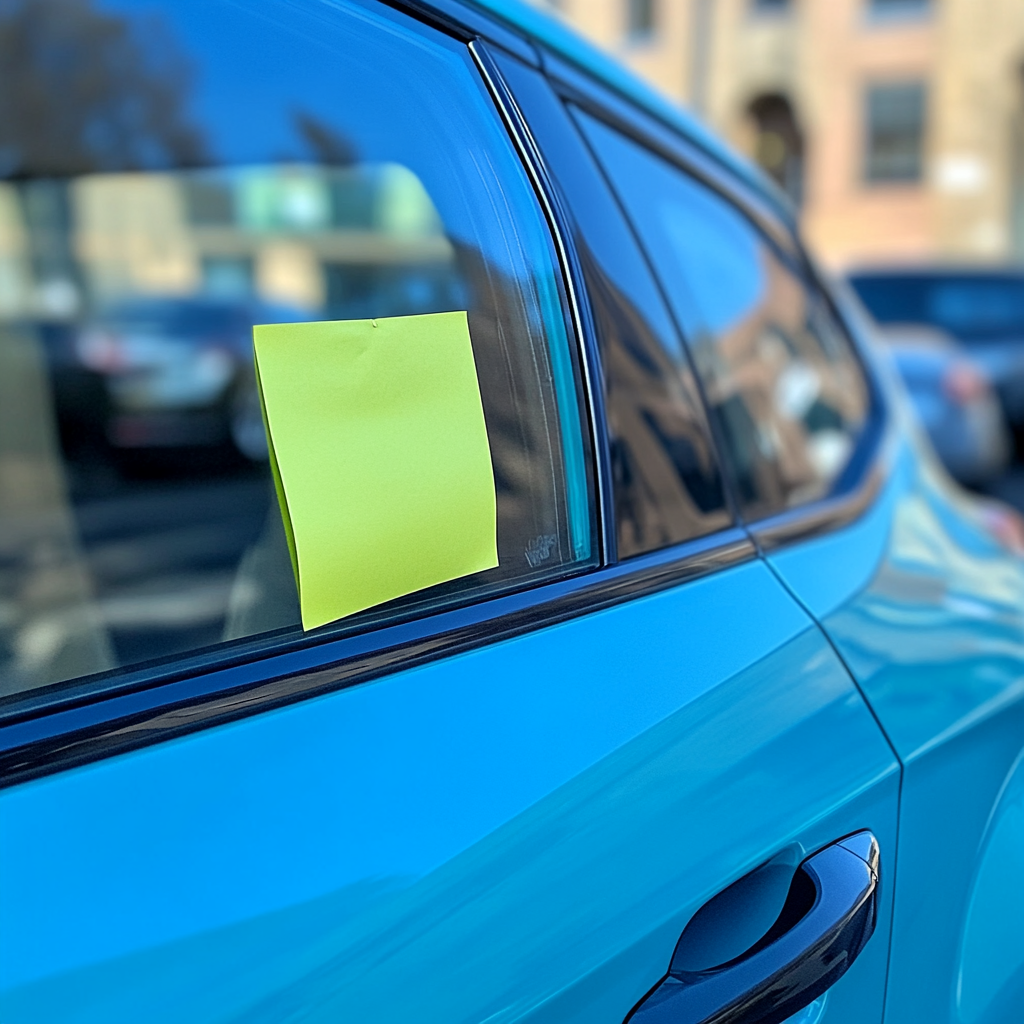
778, 372
972, 307
666, 482
180, 174
665, 474
977, 307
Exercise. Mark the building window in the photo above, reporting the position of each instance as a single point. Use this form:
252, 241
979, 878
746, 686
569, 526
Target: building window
896, 9
895, 132
640, 19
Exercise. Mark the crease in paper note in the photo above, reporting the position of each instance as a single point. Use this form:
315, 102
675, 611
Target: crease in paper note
379, 454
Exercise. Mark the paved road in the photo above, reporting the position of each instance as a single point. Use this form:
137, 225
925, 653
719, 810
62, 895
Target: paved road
136, 567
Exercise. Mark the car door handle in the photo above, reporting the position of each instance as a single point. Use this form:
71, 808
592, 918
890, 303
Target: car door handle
827, 919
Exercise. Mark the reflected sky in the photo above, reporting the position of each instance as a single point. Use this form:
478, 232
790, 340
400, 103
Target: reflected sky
718, 254
257, 75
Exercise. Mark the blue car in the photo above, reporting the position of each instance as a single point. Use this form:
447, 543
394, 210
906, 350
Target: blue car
731, 729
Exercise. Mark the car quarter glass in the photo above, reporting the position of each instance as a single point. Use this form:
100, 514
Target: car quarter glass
666, 480
780, 375
263, 181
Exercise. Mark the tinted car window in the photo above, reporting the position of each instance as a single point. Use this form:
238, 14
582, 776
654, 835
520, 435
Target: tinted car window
175, 177
972, 307
666, 482
664, 469
779, 374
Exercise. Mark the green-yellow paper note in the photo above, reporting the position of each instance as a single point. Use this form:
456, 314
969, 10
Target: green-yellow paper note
380, 457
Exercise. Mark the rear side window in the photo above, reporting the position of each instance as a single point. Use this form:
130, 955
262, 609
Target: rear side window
183, 173
666, 483
779, 374
665, 472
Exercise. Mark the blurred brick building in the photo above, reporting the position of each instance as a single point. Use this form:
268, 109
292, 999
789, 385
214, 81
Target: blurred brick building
897, 125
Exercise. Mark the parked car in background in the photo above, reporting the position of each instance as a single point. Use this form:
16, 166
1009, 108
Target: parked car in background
954, 400
179, 372
983, 308
732, 731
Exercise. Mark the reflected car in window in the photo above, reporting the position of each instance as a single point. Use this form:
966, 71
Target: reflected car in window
178, 372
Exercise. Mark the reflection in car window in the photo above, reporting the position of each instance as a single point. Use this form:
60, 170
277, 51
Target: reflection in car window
666, 482
779, 374
665, 474
225, 168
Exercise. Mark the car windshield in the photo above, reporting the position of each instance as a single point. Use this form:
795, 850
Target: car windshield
971, 307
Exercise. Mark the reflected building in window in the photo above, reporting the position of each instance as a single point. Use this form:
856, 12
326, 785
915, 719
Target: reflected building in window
339, 242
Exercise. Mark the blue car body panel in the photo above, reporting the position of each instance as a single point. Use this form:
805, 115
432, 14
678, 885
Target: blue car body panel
518, 833
927, 611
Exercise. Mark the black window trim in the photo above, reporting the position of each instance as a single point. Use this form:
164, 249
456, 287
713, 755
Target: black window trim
465, 23
776, 218
79, 721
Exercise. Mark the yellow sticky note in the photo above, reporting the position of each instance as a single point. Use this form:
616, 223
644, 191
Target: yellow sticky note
380, 457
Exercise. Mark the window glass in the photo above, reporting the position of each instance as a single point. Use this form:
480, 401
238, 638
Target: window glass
895, 132
640, 20
972, 307
778, 372
896, 9
175, 175
665, 474
979, 308
666, 483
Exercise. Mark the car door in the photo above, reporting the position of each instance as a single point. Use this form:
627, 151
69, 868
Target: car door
503, 798
915, 582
